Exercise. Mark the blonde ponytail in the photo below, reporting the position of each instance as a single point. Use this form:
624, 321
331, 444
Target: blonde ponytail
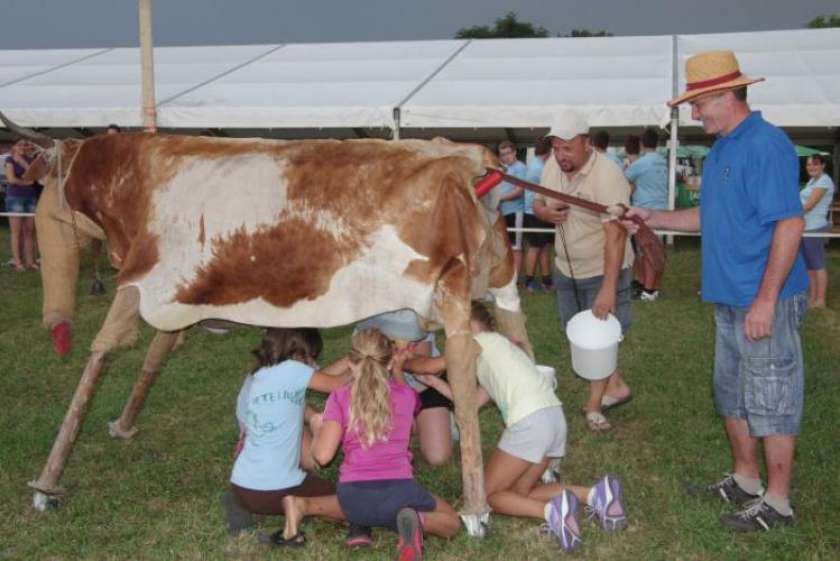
370, 403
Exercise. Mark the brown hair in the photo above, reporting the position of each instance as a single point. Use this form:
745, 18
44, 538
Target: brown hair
281, 344
819, 158
507, 144
632, 145
601, 139
480, 314
650, 138
542, 146
370, 394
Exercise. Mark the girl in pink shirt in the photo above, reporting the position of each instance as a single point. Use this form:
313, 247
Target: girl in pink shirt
372, 419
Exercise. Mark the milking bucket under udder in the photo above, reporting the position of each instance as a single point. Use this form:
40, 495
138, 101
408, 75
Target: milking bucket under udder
594, 344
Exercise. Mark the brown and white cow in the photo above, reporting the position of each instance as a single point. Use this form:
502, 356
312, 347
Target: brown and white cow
274, 233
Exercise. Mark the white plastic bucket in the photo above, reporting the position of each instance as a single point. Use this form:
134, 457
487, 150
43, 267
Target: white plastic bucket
549, 374
594, 344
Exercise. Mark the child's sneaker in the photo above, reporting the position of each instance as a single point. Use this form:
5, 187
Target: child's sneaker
410, 544
532, 287
562, 520
358, 536
605, 503
236, 517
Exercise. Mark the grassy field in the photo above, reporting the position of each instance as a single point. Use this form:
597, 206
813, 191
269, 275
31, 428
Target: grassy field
156, 497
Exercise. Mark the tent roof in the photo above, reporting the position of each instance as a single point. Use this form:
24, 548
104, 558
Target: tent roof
468, 89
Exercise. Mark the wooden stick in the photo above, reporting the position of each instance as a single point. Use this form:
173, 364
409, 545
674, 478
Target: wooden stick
160, 347
147, 64
69, 430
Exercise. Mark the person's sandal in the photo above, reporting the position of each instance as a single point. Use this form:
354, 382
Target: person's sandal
296, 541
596, 422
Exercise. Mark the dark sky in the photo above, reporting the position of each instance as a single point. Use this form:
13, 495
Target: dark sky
107, 23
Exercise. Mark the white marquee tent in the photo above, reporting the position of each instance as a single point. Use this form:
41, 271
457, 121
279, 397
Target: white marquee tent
479, 89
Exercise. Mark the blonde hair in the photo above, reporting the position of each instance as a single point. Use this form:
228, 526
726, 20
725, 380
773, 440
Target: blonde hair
370, 402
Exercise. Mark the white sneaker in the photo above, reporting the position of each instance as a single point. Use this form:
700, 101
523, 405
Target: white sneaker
649, 296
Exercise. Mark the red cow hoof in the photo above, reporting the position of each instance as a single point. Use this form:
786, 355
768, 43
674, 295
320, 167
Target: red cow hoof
62, 338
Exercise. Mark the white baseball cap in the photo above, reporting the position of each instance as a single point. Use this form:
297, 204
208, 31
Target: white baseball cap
569, 124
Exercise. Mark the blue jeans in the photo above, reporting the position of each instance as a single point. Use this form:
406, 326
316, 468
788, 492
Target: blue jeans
762, 382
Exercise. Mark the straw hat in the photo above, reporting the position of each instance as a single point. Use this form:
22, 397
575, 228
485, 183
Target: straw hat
712, 71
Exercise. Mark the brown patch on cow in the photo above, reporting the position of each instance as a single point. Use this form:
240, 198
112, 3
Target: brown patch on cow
201, 231
284, 264
107, 181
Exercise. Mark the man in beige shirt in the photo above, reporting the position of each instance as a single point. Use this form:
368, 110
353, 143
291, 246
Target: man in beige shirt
594, 257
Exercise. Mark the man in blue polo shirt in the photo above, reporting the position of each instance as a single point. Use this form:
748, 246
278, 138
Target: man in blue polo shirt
648, 175
751, 222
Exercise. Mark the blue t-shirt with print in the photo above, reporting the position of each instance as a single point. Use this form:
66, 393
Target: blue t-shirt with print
270, 459
750, 182
533, 174
649, 175
817, 217
516, 169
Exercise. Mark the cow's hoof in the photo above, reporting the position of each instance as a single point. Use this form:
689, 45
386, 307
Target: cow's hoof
42, 502
116, 431
476, 524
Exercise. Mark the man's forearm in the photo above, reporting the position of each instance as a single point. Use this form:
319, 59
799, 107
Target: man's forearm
787, 237
616, 240
687, 220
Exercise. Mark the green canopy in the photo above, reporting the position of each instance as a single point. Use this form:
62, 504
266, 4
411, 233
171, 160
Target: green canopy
804, 151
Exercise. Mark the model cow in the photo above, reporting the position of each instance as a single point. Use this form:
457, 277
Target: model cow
267, 233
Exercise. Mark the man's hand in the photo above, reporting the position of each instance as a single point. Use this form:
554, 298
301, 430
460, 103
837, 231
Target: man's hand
604, 303
758, 322
631, 226
556, 215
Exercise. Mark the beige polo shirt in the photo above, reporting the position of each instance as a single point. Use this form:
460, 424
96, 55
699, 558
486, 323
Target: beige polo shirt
601, 181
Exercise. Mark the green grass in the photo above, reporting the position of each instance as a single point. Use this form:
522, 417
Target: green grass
156, 497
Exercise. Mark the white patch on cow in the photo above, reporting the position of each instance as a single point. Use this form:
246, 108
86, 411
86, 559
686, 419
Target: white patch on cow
507, 297
371, 284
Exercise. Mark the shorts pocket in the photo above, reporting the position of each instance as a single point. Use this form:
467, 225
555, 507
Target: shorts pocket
769, 386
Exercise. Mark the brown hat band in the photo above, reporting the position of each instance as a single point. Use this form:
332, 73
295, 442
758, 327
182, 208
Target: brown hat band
713, 82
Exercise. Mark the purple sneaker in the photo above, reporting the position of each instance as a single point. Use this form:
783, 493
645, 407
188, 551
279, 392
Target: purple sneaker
563, 520
605, 503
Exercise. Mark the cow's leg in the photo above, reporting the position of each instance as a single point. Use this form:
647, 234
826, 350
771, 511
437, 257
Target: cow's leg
461, 354
502, 285
161, 346
117, 329
510, 319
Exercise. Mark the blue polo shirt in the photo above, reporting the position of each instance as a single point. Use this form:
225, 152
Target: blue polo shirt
649, 174
750, 181
516, 169
534, 175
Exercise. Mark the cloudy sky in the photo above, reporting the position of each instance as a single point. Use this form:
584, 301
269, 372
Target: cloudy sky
106, 23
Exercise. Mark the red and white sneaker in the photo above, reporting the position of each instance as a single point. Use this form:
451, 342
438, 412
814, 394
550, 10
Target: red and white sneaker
410, 544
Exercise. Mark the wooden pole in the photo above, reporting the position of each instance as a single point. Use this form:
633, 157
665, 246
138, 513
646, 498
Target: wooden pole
147, 64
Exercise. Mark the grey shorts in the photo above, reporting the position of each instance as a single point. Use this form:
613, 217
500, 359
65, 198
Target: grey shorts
570, 301
763, 381
540, 435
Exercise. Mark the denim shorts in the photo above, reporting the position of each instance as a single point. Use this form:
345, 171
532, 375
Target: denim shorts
376, 503
763, 381
573, 297
21, 204
813, 250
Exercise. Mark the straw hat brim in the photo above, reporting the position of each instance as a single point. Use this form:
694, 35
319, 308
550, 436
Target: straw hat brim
731, 85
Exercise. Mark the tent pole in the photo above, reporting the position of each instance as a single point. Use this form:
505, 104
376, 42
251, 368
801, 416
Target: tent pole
396, 135
147, 64
672, 164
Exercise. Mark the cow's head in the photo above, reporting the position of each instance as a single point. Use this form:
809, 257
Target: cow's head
61, 230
